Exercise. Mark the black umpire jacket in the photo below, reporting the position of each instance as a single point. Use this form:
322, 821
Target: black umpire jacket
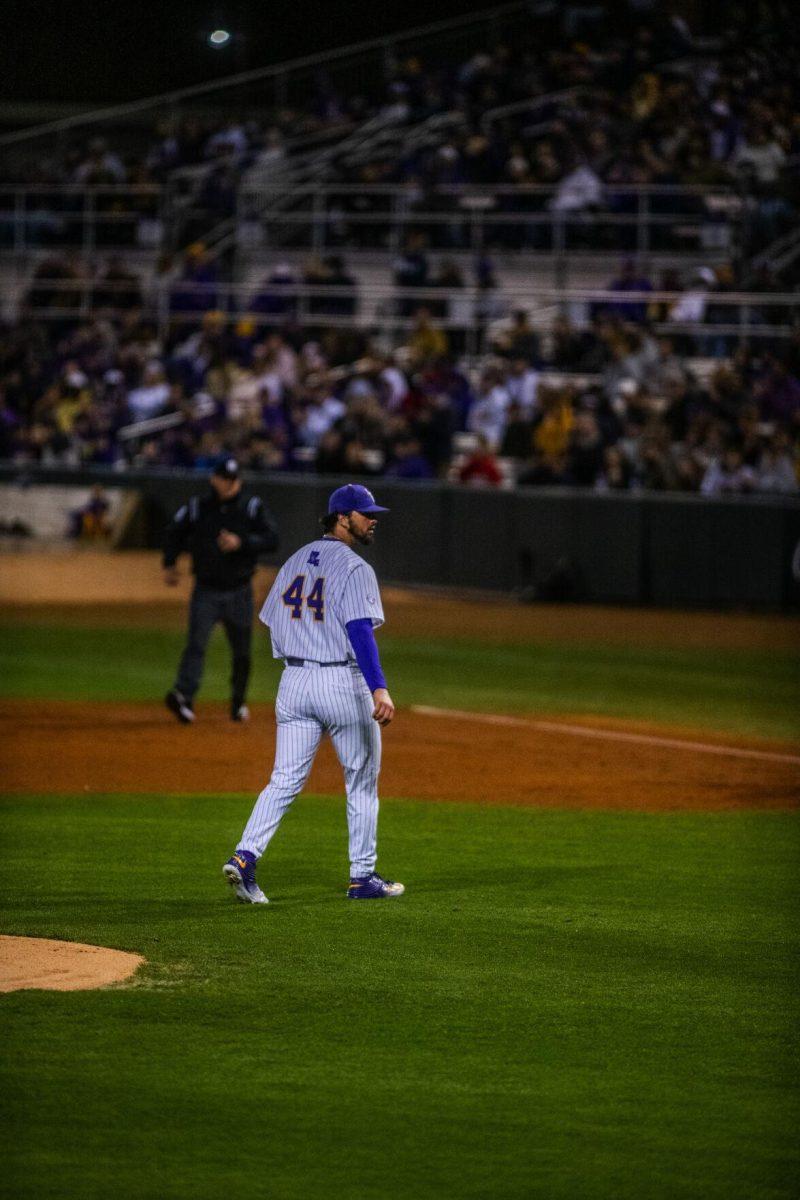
197, 525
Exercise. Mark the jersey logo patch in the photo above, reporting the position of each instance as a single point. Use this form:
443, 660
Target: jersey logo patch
313, 558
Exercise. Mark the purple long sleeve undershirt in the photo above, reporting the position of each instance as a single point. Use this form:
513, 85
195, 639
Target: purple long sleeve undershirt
362, 639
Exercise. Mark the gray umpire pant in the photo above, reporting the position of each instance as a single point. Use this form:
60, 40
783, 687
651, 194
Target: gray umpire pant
234, 610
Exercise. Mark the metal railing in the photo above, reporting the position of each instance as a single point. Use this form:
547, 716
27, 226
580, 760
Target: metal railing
295, 212
638, 220
388, 313
780, 253
70, 216
271, 191
531, 105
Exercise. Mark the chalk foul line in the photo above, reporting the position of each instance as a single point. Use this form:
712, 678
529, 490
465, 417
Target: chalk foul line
610, 735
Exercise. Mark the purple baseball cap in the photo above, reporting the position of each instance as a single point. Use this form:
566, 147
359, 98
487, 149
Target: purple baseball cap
353, 497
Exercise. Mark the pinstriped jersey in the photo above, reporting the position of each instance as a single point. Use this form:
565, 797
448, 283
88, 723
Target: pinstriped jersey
316, 592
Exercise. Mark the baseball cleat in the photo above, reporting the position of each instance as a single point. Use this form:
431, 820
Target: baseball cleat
180, 706
240, 713
240, 872
373, 887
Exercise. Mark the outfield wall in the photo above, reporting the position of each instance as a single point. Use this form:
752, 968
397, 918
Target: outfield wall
668, 550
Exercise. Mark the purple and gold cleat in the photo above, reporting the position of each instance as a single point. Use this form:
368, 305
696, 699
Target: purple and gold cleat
240, 872
373, 887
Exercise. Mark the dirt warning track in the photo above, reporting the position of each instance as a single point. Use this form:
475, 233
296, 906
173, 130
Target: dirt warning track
66, 747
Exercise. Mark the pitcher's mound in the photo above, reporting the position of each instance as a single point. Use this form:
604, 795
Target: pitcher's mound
27, 962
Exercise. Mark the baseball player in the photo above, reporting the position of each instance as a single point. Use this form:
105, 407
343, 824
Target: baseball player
321, 613
225, 533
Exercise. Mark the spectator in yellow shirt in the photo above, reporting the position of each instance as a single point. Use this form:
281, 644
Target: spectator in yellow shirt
427, 341
552, 433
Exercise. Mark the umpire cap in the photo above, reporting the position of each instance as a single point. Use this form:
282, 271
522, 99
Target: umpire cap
353, 497
226, 468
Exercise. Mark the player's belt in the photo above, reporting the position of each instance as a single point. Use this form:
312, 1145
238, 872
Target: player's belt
309, 662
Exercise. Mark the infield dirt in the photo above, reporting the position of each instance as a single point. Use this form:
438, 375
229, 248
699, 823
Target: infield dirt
67, 747
70, 747
57, 966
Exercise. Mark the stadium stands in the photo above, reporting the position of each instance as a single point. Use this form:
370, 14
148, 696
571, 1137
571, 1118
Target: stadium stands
562, 256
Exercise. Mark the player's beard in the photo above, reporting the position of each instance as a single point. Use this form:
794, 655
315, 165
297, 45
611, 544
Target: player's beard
364, 538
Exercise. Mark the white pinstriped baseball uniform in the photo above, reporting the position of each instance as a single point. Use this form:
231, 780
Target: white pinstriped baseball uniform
316, 593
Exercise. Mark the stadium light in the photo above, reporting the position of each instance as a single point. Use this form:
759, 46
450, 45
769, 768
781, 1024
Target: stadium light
219, 38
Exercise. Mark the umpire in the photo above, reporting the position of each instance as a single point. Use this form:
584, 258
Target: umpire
225, 533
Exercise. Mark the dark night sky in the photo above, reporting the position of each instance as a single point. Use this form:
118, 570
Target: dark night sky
76, 51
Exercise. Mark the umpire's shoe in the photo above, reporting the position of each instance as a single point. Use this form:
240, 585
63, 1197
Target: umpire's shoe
177, 703
372, 887
240, 872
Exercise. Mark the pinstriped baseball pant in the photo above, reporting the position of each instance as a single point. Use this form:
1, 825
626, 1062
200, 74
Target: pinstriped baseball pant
313, 700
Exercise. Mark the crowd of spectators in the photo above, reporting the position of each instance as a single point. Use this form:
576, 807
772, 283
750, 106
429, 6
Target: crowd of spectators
698, 304
602, 400
652, 107
606, 406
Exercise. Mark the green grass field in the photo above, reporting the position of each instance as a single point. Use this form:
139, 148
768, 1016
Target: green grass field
564, 1005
